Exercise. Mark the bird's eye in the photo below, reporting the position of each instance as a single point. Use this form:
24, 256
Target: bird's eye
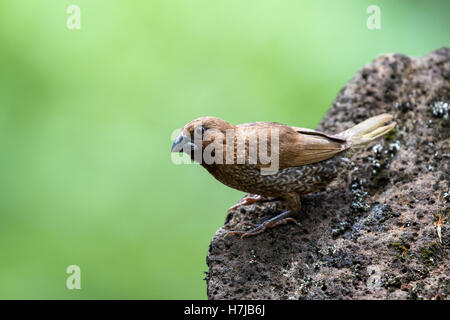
200, 131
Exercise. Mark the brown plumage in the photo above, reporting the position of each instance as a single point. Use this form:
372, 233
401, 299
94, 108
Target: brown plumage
308, 160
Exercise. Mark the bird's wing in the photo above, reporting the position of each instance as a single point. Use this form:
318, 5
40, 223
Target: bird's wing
297, 146
308, 146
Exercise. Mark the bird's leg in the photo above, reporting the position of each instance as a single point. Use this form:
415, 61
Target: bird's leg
293, 204
282, 218
245, 201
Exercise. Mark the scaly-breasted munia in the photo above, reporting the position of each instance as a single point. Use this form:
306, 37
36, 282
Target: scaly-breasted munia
306, 160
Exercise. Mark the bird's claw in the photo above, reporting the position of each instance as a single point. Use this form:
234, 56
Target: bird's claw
242, 234
257, 229
251, 225
244, 202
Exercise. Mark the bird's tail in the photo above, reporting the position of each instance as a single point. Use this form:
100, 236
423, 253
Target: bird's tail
368, 130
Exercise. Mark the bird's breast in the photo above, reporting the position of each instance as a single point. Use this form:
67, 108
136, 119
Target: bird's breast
301, 179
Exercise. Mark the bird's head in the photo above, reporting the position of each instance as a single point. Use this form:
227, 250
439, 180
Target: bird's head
199, 133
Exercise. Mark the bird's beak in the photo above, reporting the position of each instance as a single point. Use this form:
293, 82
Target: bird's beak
182, 143
179, 143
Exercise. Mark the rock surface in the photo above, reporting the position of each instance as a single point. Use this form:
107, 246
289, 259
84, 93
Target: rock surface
373, 233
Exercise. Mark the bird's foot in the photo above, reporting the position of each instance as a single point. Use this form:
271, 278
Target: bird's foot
280, 219
245, 201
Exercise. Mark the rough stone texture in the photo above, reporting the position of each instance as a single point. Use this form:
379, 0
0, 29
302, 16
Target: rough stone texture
372, 234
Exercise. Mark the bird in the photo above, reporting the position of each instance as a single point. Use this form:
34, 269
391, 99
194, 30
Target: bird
306, 160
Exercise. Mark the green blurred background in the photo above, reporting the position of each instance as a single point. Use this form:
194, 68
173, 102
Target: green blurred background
86, 116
